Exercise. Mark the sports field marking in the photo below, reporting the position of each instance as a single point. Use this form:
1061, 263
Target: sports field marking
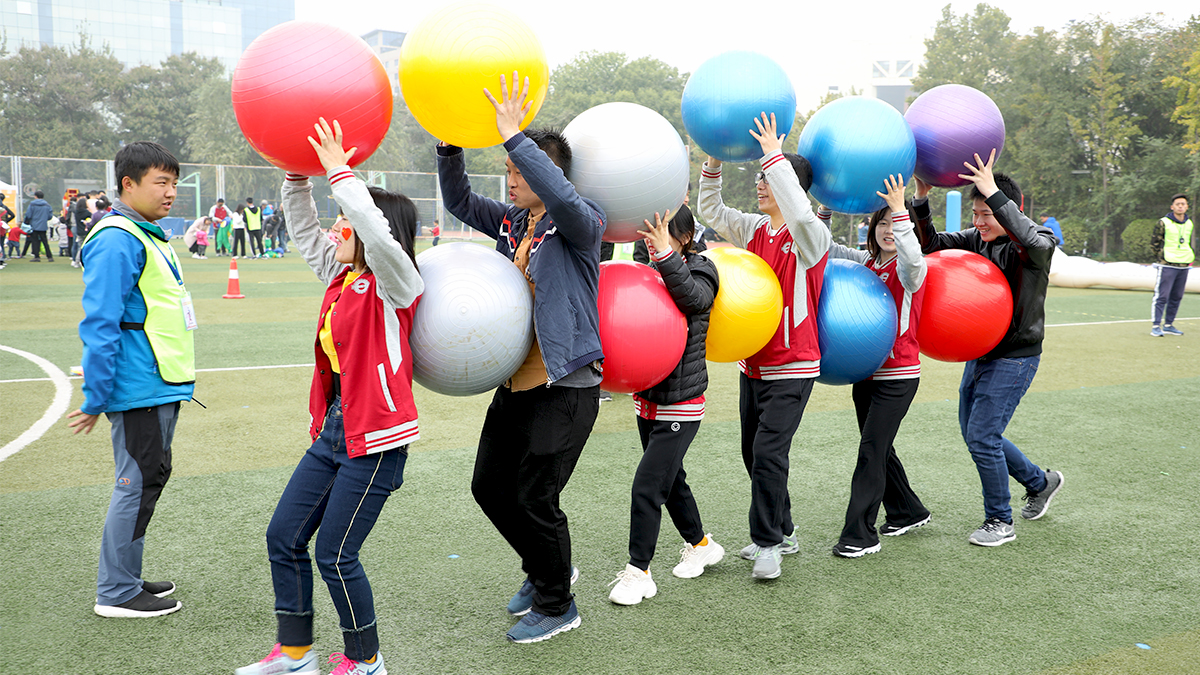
1102, 323
58, 406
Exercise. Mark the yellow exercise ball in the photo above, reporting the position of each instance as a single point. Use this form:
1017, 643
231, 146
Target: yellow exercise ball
453, 55
748, 306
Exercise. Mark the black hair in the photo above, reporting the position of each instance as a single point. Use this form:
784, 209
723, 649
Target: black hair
555, 145
401, 215
1182, 196
250, 201
802, 168
137, 158
682, 227
240, 209
1044, 215
220, 200
38, 194
1008, 186
876, 219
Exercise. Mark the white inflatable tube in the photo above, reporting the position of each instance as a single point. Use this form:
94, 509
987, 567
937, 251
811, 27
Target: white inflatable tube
1072, 271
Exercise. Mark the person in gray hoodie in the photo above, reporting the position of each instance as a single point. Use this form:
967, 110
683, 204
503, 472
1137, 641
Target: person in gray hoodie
539, 421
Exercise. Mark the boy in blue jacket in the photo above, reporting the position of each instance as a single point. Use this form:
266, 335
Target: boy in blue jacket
138, 364
539, 421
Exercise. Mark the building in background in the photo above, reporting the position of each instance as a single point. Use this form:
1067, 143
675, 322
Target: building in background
386, 44
144, 32
891, 80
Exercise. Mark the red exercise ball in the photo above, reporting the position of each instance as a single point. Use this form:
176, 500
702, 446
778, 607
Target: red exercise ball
299, 71
968, 306
642, 332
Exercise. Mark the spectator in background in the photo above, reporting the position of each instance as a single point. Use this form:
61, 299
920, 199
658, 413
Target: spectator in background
103, 208
1172, 242
82, 220
6, 219
37, 218
436, 231
238, 223
863, 228
254, 226
218, 212
267, 209
62, 225
1052, 223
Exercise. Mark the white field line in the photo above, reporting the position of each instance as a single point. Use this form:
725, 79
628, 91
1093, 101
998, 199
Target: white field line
1103, 323
58, 406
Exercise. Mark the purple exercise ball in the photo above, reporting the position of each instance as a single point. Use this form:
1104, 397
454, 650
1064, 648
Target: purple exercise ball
951, 123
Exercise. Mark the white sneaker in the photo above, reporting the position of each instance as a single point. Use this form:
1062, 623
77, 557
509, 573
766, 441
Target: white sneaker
196, 256
278, 662
693, 559
631, 586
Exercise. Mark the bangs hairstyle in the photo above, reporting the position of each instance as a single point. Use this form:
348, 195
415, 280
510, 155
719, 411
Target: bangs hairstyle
682, 227
876, 219
136, 159
401, 216
555, 145
1008, 186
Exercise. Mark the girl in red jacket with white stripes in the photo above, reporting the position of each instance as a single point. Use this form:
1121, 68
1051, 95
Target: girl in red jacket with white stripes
882, 400
363, 415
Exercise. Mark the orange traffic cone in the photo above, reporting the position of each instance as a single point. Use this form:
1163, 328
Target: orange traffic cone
234, 291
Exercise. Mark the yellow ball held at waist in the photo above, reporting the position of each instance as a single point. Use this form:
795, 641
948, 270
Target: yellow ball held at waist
748, 306
453, 55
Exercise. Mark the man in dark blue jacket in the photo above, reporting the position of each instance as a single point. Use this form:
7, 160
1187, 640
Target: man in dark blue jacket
37, 217
539, 421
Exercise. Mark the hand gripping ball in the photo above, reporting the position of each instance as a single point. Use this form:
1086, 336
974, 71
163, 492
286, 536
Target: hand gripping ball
856, 323
642, 332
474, 324
299, 71
748, 306
631, 161
853, 144
950, 124
967, 309
724, 96
453, 55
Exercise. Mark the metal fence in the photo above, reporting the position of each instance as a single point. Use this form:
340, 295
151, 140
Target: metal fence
200, 185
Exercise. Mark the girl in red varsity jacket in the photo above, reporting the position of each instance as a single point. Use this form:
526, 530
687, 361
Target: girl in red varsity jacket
882, 400
363, 415
777, 381
668, 417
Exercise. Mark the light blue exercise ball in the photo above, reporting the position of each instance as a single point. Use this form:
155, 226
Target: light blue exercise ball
853, 144
856, 323
726, 93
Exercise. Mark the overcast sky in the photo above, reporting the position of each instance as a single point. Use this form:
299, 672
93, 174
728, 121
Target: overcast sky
820, 43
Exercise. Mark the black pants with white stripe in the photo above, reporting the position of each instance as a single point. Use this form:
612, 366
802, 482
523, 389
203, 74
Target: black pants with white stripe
879, 477
1169, 285
660, 479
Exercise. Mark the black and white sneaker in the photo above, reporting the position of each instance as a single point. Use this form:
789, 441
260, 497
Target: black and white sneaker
159, 589
843, 550
893, 530
143, 605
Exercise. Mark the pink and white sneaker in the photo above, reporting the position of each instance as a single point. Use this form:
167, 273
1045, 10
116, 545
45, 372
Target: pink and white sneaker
278, 662
349, 666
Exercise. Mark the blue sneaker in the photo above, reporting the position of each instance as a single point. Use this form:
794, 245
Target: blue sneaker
1156, 332
1171, 330
522, 602
535, 626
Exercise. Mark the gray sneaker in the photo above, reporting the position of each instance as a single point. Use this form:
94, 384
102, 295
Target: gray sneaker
766, 563
1037, 502
993, 532
790, 544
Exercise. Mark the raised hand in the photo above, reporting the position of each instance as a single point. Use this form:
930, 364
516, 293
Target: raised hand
658, 233
512, 108
768, 134
895, 192
981, 174
329, 148
921, 188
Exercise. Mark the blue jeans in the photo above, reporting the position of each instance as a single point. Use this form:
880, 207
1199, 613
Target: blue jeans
987, 399
343, 496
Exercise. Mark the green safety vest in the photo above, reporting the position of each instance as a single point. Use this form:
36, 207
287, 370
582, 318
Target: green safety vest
162, 288
1177, 241
623, 251
253, 220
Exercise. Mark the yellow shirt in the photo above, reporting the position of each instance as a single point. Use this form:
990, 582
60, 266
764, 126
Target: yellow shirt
325, 333
532, 372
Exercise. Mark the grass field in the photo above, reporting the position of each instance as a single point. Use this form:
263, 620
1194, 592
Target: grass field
1113, 564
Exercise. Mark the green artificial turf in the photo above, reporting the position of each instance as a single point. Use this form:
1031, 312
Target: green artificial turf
1112, 564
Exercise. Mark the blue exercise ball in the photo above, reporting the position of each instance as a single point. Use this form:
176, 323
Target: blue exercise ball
856, 323
853, 144
726, 93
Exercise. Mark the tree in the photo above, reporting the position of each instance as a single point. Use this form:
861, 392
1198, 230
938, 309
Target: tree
593, 78
1106, 129
972, 49
57, 102
1187, 101
214, 136
158, 102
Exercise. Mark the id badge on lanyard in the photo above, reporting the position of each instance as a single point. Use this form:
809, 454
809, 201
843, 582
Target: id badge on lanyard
189, 311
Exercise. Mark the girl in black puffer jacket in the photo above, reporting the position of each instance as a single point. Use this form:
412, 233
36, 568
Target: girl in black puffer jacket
669, 416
